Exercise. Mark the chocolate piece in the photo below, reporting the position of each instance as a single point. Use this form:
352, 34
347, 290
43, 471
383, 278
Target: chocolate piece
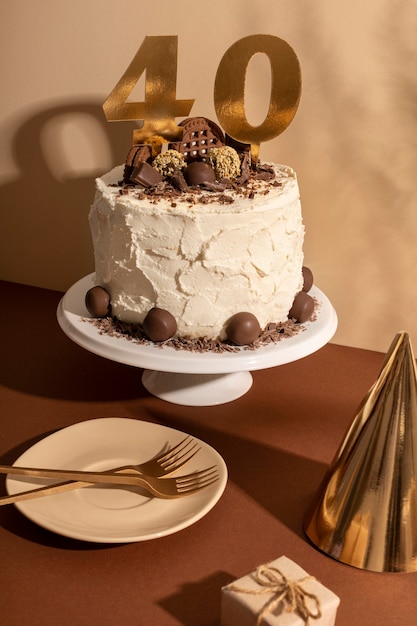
139, 153
264, 172
199, 136
129, 164
178, 181
199, 172
97, 302
245, 168
146, 175
302, 308
308, 279
243, 328
159, 325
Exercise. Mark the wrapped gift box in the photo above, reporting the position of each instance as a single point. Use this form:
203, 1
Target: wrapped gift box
279, 593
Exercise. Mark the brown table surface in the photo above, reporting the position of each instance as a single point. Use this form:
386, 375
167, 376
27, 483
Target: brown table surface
277, 441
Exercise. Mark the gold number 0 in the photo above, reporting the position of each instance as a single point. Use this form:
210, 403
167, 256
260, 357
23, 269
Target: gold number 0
229, 89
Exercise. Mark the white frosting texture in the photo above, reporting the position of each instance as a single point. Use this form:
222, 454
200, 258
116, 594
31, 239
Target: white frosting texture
201, 262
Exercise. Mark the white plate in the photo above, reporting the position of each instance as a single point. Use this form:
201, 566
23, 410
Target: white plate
113, 515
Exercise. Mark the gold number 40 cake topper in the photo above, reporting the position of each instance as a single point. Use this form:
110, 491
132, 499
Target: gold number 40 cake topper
157, 57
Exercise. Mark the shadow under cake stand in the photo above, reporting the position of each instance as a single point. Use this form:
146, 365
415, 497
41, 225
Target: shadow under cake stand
193, 378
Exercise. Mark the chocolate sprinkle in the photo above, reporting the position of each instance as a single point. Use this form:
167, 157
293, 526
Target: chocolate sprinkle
272, 334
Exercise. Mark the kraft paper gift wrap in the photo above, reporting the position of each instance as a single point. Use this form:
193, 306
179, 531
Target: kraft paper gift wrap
279, 593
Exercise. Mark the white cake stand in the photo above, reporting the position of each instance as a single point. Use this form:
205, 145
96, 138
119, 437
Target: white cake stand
190, 378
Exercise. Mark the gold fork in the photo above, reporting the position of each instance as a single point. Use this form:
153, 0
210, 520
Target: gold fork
163, 464
160, 487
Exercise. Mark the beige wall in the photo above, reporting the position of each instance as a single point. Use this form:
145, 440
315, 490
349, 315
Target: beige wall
352, 142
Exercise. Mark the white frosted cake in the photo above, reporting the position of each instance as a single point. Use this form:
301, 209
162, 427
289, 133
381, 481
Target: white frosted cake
202, 252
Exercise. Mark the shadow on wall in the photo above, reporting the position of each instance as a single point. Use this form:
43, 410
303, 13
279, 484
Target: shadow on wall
44, 236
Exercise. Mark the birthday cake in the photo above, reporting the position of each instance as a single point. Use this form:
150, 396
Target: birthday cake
198, 242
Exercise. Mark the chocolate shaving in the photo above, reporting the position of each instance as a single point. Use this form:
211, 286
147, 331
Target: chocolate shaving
264, 173
225, 199
217, 186
273, 333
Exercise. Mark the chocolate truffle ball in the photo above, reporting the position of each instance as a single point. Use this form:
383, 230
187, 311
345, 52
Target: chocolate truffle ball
97, 302
243, 328
308, 279
159, 325
199, 172
302, 308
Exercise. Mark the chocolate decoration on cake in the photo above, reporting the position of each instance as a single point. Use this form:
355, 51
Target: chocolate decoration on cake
97, 302
178, 181
308, 278
245, 168
146, 175
243, 328
169, 162
138, 153
302, 308
225, 162
199, 136
199, 172
159, 325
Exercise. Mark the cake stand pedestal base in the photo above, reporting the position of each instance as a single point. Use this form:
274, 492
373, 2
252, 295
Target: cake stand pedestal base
197, 389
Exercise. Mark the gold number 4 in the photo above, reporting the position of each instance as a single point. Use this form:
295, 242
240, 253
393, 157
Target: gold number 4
157, 56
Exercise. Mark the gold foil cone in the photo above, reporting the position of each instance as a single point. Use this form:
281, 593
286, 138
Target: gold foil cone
365, 512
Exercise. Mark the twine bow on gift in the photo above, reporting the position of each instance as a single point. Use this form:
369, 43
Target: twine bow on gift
286, 591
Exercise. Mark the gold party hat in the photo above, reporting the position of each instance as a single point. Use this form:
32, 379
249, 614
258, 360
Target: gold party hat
365, 512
